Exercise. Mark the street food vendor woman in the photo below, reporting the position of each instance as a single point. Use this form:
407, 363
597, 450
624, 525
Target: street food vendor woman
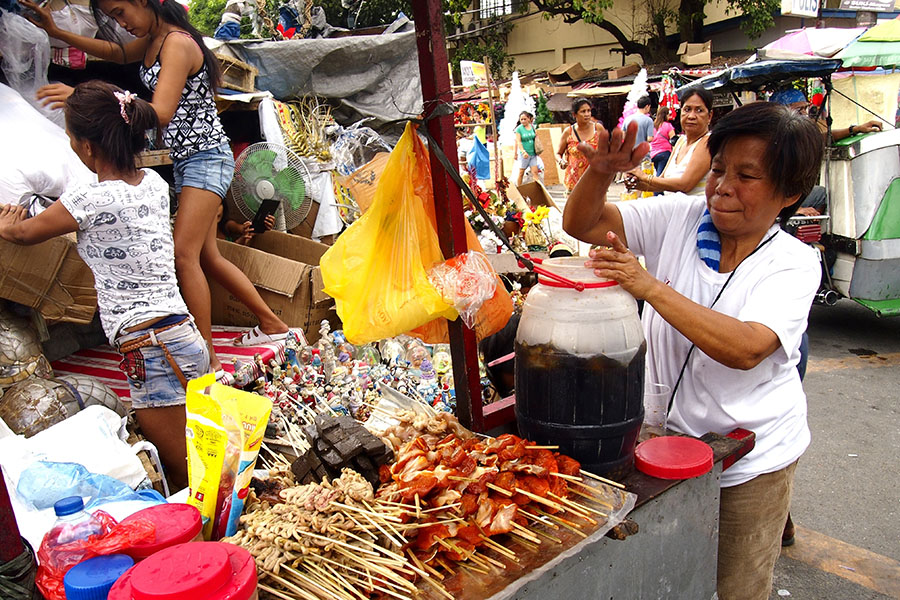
727, 294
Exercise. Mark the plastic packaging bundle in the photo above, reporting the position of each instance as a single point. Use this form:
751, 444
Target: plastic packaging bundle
43, 483
466, 281
355, 146
26, 56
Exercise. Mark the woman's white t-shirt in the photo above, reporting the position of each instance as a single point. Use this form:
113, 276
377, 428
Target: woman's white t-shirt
774, 287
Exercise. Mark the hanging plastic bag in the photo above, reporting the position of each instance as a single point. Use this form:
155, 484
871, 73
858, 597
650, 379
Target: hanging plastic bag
26, 56
467, 282
479, 158
377, 269
43, 483
496, 310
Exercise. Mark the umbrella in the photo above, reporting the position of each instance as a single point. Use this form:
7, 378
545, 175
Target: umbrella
877, 47
810, 42
755, 75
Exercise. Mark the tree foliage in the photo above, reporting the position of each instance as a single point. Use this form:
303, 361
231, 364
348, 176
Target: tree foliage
648, 38
205, 15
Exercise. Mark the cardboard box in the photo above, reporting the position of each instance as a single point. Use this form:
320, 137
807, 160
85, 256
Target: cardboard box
567, 72
49, 277
623, 71
536, 194
285, 270
695, 54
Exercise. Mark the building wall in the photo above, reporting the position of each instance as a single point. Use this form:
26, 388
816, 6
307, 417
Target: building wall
539, 44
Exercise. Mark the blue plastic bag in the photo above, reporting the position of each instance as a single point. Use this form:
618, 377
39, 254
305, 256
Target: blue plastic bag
479, 158
44, 482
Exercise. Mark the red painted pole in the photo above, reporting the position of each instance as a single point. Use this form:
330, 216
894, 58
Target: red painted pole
10, 541
448, 205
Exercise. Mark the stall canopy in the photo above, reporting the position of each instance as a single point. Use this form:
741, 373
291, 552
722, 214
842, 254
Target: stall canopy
756, 75
877, 47
810, 42
372, 76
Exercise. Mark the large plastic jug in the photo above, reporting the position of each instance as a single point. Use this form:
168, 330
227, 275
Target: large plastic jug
580, 367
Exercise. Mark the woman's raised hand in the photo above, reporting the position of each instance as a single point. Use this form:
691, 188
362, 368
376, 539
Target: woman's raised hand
615, 151
54, 94
40, 16
618, 263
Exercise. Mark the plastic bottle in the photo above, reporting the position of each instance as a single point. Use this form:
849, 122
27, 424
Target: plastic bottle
647, 168
72, 522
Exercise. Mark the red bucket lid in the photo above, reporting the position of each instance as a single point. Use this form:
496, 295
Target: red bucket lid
193, 571
175, 524
673, 457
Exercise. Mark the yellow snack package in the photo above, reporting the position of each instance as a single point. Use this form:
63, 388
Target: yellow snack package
225, 427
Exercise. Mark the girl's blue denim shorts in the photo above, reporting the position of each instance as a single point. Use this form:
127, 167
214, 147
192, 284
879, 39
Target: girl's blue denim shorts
532, 160
151, 379
209, 170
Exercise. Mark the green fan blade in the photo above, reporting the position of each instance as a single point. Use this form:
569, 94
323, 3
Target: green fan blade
258, 164
289, 184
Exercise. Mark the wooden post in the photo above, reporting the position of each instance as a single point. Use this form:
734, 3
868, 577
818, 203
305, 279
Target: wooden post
498, 159
10, 541
436, 92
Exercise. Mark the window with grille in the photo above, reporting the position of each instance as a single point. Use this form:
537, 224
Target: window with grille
497, 8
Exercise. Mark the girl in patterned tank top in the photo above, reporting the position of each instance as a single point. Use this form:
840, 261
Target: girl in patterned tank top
183, 74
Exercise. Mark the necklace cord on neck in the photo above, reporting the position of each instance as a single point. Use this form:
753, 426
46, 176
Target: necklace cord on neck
719, 295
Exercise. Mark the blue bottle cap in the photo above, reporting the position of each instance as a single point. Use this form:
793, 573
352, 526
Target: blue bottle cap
93, 578
68, 506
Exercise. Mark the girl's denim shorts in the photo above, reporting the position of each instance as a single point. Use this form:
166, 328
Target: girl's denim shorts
151, 379
209, 170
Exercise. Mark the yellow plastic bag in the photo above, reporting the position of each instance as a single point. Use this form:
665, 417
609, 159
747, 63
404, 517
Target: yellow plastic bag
377, 271
225, 428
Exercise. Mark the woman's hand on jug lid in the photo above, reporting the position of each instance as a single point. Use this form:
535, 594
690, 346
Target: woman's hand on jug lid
618, 263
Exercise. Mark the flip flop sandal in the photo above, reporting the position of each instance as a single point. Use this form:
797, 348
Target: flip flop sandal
256, 337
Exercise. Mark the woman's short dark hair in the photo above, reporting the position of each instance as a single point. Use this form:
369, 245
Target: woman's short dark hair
794, 145
706, 96
576, 106
94, 113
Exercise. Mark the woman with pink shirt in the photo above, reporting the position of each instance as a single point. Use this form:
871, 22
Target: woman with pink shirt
661, 145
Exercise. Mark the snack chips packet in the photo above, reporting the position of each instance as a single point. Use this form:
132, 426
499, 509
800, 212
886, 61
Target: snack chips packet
225, 428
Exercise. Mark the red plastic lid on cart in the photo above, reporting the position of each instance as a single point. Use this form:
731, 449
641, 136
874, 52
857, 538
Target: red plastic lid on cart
175, 524
192, 571
673, 457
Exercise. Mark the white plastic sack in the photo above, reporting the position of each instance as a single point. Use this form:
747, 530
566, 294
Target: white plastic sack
76, 19
93, 437
35, 156
26, 56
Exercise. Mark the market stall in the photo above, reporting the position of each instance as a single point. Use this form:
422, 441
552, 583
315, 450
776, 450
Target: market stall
334, 467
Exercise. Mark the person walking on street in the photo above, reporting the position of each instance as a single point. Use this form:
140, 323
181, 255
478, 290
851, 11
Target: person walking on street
583, 130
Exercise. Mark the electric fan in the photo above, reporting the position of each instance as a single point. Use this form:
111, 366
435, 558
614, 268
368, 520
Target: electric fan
272, 172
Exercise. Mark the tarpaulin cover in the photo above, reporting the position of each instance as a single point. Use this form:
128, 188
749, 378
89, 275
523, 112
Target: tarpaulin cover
361, 76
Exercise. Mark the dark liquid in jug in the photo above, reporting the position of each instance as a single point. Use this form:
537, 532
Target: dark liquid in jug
591, 407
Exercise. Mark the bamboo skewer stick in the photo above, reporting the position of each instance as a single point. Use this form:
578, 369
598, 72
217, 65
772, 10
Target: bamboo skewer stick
499, 548
441, 589
542, 447
566, 477
541, 500
583, 507
387, 522
380, 515
574, 508
425, 566
602, 479
399, 581
567, 524
524, 541
470, 567
444, 564
500, 490
493, 561
537, 518
458, 478
525, 533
